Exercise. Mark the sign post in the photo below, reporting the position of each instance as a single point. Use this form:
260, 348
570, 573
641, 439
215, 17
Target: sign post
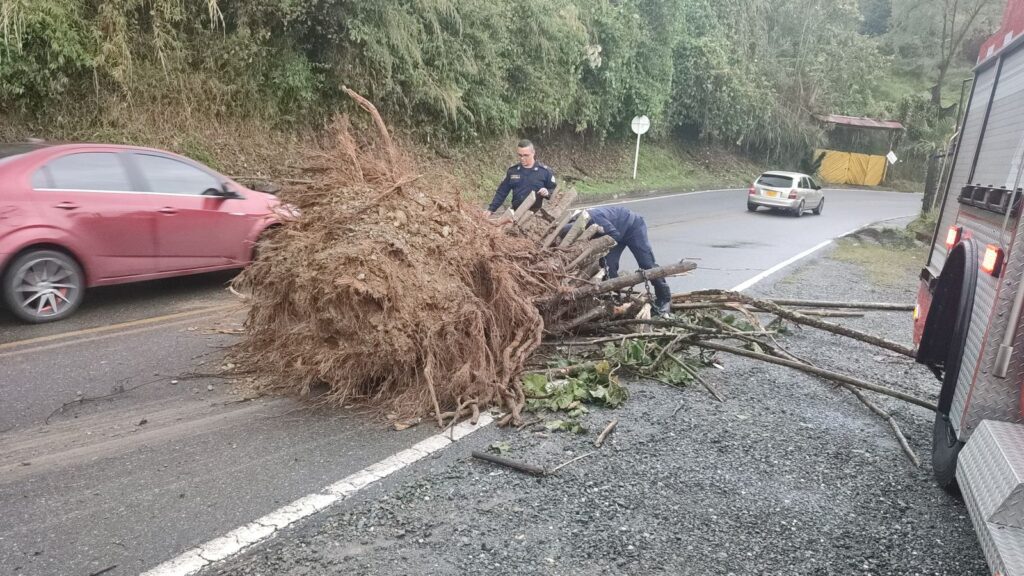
640, 126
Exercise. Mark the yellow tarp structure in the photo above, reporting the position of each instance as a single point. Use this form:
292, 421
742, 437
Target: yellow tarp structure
851, 168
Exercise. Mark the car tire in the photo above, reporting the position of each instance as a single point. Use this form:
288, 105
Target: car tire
56, 280
751, 207
799, 210
817, 210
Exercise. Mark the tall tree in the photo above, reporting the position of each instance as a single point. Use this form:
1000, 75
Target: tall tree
933, 32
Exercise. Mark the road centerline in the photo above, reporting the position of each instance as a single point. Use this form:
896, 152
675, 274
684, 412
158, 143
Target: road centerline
42, 343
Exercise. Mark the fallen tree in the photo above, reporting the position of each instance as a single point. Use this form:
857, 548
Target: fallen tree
391, 292
388, 291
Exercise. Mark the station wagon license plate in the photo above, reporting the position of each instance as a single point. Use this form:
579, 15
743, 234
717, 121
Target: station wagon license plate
771, 193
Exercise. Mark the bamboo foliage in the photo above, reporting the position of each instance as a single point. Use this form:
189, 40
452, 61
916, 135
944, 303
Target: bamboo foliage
744, 72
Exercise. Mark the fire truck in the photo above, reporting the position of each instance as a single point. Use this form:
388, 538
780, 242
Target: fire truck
969, 318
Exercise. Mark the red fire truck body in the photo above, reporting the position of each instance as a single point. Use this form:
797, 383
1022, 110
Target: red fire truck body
968, 321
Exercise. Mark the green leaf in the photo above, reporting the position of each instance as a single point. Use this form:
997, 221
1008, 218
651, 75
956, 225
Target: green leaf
554, 425
535, 385
674, 374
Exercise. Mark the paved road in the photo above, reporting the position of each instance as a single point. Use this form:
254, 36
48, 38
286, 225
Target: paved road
116, 449
732, 245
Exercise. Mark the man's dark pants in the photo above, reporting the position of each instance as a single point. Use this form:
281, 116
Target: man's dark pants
640, 246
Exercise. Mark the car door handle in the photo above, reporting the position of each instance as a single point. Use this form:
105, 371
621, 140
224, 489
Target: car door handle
167, 210
66, 205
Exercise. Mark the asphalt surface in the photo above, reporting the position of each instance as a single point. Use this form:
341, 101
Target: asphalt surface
790, 475
118, 449
731, 245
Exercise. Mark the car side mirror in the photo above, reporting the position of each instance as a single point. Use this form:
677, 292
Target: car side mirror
223, 192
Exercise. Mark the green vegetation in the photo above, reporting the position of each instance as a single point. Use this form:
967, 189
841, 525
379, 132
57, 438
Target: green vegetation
239, 83
923, 227
887, 262
601, 170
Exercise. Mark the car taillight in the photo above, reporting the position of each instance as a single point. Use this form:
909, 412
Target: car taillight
751, 191
993, 261
953, 236
792, 195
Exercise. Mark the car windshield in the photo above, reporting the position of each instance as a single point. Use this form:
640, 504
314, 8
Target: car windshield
775, 180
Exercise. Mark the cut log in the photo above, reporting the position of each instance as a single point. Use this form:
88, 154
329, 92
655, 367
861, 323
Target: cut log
590, 232
601, 246
524, 208
553, 234
830, 314
574, 232
853, 305
561, 202
590, 316
621, 282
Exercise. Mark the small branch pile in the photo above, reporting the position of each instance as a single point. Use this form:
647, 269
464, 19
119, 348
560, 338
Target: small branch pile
699, 323
392, 293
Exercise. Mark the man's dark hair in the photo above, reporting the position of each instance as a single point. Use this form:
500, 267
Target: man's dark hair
524, 143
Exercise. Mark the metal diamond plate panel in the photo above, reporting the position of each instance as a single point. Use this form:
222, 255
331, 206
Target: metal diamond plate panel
988, 398
990, 475
993, 464
969, 138
1000, 148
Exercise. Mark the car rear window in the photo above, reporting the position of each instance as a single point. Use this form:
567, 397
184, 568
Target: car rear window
775, 181
95, 171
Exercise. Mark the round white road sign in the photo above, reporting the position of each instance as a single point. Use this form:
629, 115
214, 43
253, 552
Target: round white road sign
640, 125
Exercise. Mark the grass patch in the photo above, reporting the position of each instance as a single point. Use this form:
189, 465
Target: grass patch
668, 167
885, 264
924, 226
602, 170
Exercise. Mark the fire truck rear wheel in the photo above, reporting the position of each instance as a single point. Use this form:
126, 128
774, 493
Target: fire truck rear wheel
945, 451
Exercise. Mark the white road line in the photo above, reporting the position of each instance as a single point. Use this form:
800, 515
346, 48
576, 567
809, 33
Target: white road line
254, 532
779, 266
747, 284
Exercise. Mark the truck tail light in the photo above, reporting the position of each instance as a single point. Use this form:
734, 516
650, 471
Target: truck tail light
917, 312
993, 262
953, 236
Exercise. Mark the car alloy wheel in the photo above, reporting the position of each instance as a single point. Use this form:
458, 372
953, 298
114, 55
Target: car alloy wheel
43, 285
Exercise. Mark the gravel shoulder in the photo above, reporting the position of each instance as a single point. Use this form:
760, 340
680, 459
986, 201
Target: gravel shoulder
789, 476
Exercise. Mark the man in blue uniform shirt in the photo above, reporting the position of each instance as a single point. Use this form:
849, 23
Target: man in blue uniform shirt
629, 231
525, 177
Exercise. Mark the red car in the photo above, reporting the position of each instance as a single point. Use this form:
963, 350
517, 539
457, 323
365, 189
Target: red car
73, 216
